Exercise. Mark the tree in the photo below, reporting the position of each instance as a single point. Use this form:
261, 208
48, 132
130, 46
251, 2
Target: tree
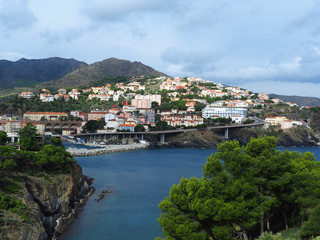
199, 106
161, 125
28, 141
311, 227
139, 128
244, 190
3, 138
56, 141
154, 104
92, 125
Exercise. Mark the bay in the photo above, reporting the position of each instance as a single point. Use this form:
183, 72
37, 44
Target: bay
140, 180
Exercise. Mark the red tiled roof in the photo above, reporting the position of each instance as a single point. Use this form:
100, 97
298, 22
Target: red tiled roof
51, 113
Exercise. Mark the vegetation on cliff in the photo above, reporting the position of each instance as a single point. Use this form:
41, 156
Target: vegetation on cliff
245, 191
18, 168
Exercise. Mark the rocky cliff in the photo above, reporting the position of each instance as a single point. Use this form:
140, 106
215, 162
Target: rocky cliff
197, 139
52, 202
299, 136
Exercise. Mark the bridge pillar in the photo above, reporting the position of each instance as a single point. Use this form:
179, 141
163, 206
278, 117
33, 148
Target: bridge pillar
162, 137
142, 137
226, 133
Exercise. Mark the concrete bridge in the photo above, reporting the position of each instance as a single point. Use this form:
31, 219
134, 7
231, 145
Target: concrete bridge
92, 137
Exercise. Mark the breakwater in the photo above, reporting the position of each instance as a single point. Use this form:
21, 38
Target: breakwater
83, 152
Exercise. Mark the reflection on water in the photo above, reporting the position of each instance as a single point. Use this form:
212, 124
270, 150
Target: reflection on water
140, 180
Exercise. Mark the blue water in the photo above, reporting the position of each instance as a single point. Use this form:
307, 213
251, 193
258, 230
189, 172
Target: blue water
140, 180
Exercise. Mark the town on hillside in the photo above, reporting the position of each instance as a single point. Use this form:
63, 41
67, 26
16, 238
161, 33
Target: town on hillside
146, 104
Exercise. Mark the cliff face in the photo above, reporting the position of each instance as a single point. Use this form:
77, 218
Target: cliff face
196, 139
299, 136
52, 202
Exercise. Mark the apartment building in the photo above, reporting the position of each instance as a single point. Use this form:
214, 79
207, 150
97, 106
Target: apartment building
224, 111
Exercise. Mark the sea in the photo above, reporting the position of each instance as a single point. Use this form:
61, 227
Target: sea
139, 181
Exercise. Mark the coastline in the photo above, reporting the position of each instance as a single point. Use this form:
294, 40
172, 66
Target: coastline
100, 150
66, 220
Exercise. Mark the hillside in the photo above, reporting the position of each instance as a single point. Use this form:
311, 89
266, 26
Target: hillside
28, 73
301, 101
108, 68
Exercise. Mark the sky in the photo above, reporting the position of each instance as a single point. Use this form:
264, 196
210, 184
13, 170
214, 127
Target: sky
267, 46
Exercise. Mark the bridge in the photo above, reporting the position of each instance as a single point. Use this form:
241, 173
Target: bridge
92, 137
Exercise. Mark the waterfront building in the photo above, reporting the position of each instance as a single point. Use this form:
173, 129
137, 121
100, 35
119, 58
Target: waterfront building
126, 127
188, 120
282, 122
223, 111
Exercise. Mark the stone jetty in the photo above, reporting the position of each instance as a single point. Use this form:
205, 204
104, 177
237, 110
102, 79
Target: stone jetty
83, 152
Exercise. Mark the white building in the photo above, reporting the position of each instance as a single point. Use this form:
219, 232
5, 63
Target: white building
224, 111
110, 116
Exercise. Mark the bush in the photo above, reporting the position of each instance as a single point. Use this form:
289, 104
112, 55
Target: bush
311, 227
13, 205
271, 236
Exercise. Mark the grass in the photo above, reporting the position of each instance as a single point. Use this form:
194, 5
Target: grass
14, 91
293, 233
26, 83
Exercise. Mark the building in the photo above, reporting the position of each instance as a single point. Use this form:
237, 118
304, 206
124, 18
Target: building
148, 113
62, 91
128, 108
283, 122
224, 111
46, 97
145, 101
188, 120
97, 115
44, 116
26, 95
110, 116
126, 127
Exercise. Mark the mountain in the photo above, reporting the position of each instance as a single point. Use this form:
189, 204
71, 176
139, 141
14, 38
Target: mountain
108, 68
27, 73
301, 101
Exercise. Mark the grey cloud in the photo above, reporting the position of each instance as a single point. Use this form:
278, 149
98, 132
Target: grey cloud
309, 20
139, 33
67, 34
16, 14
303, 66
117, 10
194, 61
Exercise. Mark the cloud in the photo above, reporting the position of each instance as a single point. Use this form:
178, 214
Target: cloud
284, 88
271, 71
67, 34
299, 66
118, 10
15, 14
194, 61
12, 56
307, 20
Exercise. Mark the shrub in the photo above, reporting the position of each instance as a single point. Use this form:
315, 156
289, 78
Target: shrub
311, 227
